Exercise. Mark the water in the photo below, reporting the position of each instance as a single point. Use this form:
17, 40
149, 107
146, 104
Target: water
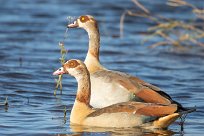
29, 53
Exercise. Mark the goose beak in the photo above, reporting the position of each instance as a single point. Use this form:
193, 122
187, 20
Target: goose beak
73, 25
60, 71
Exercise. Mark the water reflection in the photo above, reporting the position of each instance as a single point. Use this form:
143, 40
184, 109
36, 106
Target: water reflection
136, 131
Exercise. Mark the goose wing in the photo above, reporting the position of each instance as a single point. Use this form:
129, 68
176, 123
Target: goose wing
145, 91
146, 109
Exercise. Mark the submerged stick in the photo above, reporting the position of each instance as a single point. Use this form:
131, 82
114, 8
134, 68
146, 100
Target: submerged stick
65, 114
5, 104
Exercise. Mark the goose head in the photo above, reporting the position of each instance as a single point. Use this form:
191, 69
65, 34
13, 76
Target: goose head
72, 67
86, 22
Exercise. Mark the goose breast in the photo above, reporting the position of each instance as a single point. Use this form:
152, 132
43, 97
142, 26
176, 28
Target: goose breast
103, 93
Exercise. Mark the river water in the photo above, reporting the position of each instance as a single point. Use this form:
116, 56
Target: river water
29, 53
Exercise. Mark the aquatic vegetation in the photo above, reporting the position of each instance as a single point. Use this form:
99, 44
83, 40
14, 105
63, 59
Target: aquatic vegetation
63, 53
5, 104
179, 33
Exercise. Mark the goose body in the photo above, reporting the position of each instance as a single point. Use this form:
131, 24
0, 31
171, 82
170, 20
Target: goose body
110, 87
102, 89
125, 114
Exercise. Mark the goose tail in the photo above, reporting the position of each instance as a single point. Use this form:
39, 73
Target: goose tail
165, 121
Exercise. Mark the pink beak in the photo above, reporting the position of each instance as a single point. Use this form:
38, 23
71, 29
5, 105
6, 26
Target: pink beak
60, 71
73, 25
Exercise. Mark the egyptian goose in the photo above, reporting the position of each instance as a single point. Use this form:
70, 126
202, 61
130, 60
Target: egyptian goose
110, 87
125, 114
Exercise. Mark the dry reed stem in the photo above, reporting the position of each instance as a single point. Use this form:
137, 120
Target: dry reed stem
164, 43
178, 3
189, 33
141, 6
122, 18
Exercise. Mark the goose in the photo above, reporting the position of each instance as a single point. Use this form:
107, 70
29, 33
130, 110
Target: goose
124, 114
110, 87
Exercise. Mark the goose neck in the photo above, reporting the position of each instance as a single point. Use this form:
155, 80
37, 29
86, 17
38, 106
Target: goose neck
84, 88
94, 42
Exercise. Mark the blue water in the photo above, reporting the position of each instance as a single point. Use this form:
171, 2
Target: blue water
29, 53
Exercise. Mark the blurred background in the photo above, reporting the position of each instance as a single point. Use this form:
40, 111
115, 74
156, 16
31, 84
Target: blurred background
159, 41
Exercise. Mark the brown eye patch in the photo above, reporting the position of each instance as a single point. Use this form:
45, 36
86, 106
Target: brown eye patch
84, 19
73, 64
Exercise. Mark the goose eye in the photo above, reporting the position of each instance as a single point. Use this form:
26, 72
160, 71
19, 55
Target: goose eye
73, 64
84, 19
